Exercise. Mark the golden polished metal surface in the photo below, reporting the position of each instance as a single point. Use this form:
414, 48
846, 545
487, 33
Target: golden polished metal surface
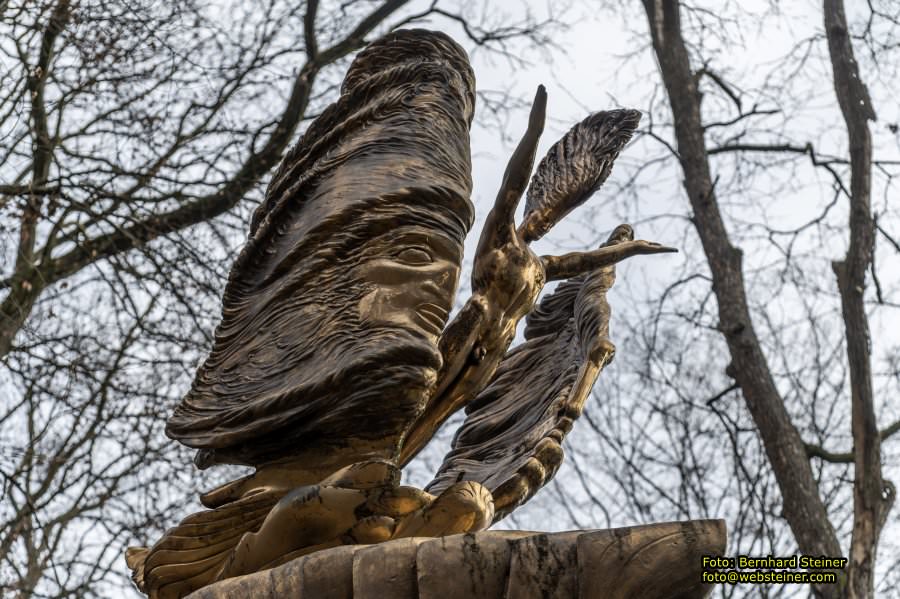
334, 363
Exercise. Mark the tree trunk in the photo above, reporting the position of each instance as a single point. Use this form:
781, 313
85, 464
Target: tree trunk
870, 502
803, 508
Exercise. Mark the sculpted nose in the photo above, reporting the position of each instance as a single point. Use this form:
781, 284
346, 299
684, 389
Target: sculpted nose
441, 284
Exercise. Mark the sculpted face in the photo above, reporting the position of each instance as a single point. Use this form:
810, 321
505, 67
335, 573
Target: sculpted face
414, 273
334, 308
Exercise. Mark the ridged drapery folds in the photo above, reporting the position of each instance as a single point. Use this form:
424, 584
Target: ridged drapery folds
375, 193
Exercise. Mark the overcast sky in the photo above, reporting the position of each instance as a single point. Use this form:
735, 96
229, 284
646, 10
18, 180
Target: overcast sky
605, 66
604, 61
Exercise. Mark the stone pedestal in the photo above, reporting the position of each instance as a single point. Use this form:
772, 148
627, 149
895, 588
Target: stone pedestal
652, 561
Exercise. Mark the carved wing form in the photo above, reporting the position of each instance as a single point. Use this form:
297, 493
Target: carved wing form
574, 168
511, 440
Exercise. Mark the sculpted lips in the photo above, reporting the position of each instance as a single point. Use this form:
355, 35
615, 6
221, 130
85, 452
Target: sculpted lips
433, 316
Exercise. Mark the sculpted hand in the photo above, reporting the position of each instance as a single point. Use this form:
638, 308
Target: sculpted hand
361, 504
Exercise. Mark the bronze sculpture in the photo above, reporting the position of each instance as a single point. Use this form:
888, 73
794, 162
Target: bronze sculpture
334, 363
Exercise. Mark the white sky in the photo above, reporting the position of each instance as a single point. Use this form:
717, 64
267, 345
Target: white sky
590, 77
593, 75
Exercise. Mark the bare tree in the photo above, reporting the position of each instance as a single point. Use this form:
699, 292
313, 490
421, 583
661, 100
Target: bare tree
136, 139
755, 312
137, 136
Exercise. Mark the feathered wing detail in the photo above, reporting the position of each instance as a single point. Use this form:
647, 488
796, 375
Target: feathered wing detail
511, 440
574, 168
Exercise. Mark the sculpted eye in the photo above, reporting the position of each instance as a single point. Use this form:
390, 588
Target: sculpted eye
414, 256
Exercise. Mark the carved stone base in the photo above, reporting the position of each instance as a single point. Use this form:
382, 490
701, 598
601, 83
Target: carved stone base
653, 561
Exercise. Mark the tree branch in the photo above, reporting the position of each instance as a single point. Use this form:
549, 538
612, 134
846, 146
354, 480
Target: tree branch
722, 85
18, 303
27, 282
356, 38
309, 30
847, 457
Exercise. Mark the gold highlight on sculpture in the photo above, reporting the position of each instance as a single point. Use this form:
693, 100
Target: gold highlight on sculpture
334, 363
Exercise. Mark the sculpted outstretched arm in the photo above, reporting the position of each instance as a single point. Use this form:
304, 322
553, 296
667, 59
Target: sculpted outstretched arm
576, 263
500, 226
